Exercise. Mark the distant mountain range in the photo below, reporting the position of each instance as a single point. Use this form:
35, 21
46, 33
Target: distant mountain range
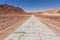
50, 11
6, 9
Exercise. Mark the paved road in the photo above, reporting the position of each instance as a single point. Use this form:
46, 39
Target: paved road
32, 29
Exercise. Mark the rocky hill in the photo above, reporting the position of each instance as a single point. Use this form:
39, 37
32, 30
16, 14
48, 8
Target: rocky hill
11, 18
10, 10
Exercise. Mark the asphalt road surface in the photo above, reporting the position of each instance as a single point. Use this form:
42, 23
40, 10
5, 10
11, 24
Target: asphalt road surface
32, 29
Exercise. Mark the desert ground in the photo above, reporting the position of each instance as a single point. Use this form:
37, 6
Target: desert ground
51, 20
10, 24
33, 29
46, 26
11, 18
42, 25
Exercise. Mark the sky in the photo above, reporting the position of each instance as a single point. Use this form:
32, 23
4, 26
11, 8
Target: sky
29, 5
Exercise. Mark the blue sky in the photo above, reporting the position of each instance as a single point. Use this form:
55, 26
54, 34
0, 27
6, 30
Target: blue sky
29, 5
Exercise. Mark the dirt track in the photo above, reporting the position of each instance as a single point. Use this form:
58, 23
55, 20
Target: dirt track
10, 28
33, 29
53, 22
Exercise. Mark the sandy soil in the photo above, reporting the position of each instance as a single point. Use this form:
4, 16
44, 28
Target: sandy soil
32, 29
10, 28
53, 22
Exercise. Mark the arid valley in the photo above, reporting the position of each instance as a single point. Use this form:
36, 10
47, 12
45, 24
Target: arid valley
16, 24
